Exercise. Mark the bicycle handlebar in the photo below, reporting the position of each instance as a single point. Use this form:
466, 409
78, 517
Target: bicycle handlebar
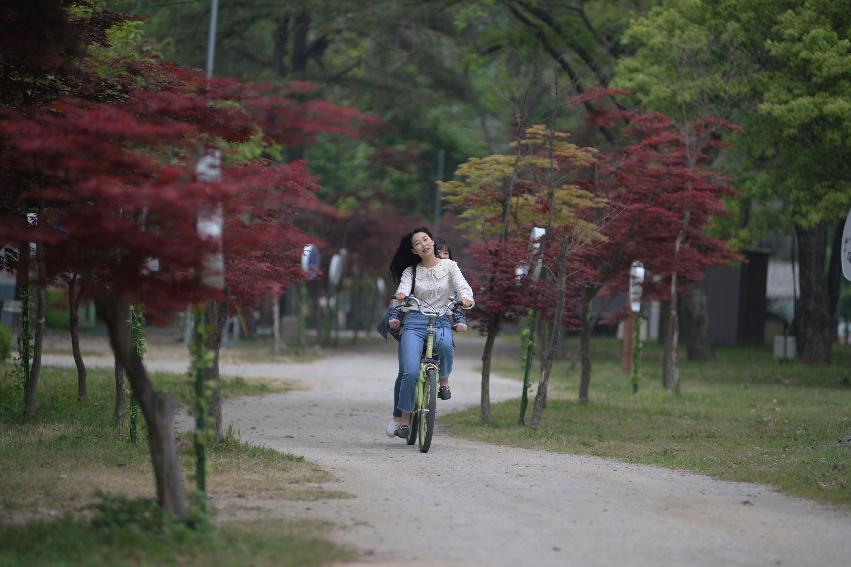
431, 310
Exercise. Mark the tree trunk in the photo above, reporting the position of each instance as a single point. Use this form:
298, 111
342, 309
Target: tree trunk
671, 360
280, 51
120, 398
24, 290
696, 320
546, 369
834, 278
664, 315
815, 335
301, 29
298, 64
158, 408
546, 337
217, 317
38, 334
483, 123
585, 345
74, 327
276, 323
494, 321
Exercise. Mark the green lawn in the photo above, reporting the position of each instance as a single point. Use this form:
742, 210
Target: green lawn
743, 417
77, 542
60, 467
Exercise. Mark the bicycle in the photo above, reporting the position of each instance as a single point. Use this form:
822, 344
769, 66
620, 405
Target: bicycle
425, 392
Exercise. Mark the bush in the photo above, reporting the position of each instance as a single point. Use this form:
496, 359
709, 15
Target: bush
5, 342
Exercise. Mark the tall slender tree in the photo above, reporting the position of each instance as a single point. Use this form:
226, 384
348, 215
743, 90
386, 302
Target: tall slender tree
75, 294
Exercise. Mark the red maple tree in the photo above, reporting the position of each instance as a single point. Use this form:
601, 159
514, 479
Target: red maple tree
662, 195
118, 201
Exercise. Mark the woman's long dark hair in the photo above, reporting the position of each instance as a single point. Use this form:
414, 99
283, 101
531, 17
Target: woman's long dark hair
405, 256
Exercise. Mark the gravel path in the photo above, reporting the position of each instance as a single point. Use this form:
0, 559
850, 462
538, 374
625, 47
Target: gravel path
474, 504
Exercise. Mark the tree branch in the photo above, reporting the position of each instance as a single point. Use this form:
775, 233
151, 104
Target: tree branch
553, 25
612, 48
343, 72
563, 63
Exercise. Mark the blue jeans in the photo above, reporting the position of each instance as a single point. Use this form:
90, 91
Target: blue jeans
411, 351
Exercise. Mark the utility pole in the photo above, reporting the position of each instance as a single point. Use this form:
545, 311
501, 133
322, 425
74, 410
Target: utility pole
437, 198
211, 38
636, 288
210, 224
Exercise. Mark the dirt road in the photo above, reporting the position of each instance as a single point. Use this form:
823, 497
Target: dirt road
468, 503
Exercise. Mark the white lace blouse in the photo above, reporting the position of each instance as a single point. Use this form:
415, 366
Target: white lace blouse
436, 285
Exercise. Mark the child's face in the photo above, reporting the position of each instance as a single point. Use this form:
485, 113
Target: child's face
443, 253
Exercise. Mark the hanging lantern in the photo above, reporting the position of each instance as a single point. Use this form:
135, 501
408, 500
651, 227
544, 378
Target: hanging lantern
636, 284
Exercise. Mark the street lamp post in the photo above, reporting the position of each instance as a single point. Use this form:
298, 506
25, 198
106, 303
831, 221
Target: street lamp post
332, 313
210, 226
636, 283
211, 38
533, 271
309, 265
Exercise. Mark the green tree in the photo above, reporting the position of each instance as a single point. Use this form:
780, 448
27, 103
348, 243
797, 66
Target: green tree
441, 75
680, 80
397, 61
782, 70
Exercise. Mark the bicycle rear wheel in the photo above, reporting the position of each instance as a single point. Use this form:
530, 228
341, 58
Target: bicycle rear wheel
427, 412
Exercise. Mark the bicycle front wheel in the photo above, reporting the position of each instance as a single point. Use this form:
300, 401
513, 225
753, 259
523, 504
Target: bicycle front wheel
418, 405
412, 435
427, 412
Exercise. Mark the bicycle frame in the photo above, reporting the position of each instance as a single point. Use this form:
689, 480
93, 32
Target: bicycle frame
422, 420
427, 361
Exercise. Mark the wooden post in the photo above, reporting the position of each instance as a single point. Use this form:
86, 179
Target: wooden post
628, 337
302, 304
199, 363
636, 358
527, 363
276, 324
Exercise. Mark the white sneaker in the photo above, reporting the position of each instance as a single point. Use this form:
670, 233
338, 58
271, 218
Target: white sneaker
391, 428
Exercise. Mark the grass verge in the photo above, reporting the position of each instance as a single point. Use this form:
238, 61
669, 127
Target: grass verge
56, 465
744, 417
70, 541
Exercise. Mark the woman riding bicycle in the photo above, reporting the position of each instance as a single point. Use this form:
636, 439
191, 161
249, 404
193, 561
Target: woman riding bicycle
418, 271
459, 325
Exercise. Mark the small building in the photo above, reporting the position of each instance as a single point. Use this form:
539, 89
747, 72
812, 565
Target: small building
10, 308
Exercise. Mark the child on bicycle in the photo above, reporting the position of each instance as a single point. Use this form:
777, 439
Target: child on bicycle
417, 270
